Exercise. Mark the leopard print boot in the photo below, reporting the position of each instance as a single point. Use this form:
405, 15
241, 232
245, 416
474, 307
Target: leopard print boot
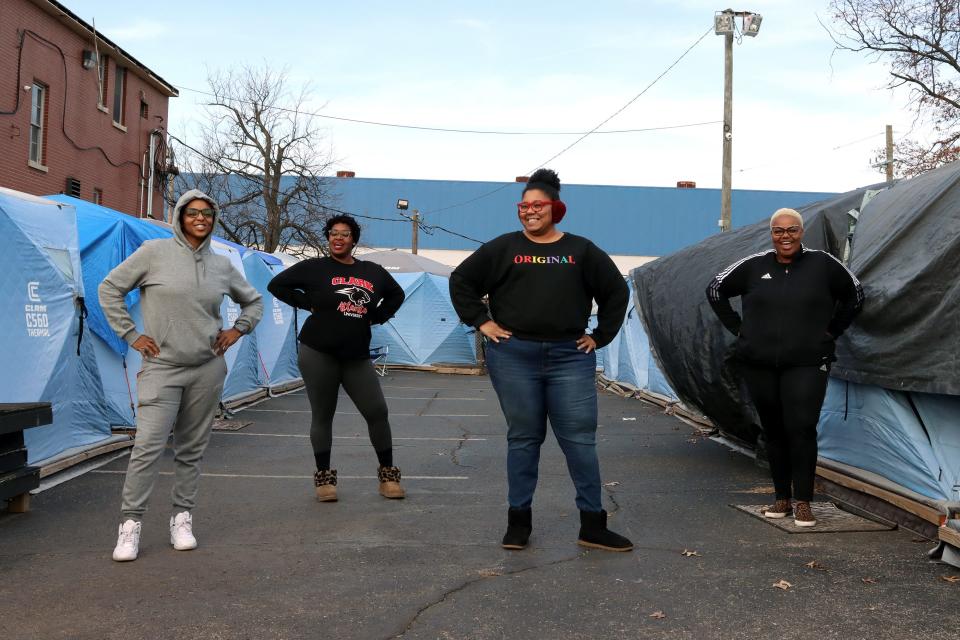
389, 478
325, 481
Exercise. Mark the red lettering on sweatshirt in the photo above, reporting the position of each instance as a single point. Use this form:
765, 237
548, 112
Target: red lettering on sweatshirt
351, 281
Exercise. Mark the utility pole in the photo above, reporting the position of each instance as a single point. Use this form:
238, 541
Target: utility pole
415, 219
725, 24
726, 177
889, 162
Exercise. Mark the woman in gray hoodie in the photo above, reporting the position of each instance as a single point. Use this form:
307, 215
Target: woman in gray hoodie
182, 283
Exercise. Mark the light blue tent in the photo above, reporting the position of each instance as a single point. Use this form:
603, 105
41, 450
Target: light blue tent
912, 439
43, 290
276, 334
107, 238
628, 359
426, 329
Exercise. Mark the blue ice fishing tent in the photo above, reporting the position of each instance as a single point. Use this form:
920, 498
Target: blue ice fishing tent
40, 325
276, 334
628, 359
244, 379
105, 239
426, 329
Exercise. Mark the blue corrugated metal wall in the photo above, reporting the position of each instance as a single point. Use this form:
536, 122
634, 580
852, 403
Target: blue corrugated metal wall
643, 221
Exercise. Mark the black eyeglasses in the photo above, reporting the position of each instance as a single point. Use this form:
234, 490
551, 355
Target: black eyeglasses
209, 214
779, 232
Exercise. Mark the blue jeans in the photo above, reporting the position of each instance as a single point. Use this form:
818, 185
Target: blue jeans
539, 380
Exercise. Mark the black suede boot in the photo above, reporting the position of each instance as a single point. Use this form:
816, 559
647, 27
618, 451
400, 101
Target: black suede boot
519, 526
594, 533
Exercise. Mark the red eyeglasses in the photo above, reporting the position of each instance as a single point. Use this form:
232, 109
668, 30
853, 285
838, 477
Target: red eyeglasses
536, 206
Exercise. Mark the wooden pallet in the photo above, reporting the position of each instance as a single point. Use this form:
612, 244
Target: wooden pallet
17, 479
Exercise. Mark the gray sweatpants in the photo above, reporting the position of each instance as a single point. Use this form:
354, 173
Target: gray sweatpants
184, 399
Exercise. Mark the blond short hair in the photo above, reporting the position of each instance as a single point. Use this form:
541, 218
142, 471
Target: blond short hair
787, 212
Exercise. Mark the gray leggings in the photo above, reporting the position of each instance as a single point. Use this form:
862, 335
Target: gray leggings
323, 374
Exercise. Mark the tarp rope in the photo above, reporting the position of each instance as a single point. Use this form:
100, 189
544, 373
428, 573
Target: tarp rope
82, 307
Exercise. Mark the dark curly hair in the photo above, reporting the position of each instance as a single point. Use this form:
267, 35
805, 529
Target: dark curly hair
343, 219
545, 180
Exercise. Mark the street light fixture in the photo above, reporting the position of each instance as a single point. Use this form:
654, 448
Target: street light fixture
724, 24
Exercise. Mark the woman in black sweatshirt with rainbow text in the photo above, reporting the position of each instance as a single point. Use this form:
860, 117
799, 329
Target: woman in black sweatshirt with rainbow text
541, 283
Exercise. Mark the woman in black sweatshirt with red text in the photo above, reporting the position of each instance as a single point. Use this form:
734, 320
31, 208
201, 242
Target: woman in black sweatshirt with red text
796, 303
541, 283
345, 296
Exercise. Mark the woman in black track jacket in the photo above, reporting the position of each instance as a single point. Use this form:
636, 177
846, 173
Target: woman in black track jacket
796, 303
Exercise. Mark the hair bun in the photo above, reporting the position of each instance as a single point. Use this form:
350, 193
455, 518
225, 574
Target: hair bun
546, 176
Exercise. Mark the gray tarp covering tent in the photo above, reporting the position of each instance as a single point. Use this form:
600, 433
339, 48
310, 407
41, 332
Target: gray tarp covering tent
892, 411
686, 338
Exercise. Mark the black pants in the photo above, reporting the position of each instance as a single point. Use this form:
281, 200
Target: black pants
323, 374
788, 401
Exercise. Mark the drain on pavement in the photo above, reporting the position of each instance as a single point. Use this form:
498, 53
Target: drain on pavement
229, 425
830, 519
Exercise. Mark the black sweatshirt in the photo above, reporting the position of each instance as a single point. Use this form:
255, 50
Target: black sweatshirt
344, 300
541, 291
792, 313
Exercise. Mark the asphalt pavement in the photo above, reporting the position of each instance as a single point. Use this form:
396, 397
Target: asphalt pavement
274, 563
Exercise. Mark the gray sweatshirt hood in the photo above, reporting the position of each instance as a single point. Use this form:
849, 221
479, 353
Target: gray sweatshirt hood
193, 194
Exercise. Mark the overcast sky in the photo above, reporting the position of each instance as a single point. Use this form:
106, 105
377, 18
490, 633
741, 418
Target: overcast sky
805, 118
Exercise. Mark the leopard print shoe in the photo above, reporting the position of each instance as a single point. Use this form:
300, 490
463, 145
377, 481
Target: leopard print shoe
389, 478
325, 482
780, 509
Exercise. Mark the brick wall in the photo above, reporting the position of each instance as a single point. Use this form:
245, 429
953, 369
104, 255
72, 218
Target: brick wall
97, 146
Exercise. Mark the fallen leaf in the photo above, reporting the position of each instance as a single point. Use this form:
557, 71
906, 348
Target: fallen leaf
950, 578
611, 484
868, 580
782, 584
489, 573
693, 440
813, 564
659, 615
690, 554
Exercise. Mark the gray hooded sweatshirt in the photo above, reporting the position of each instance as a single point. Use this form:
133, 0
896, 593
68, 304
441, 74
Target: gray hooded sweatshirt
181, 290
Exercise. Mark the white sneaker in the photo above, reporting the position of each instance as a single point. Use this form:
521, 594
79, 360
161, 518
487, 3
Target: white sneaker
128, 542
181, 532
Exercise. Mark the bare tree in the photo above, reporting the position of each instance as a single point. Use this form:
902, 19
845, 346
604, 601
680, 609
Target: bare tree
920, 42
265, 161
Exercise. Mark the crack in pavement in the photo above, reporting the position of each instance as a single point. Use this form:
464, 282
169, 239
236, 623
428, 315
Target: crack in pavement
436, 394
455, 452
446, 594
612, 496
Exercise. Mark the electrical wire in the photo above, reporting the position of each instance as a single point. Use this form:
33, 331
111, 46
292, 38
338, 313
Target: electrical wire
588, 133
63, 118
491, 132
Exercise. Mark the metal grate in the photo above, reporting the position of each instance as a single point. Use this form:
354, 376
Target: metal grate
830, 519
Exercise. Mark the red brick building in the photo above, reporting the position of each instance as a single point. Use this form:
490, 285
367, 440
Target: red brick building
78, 114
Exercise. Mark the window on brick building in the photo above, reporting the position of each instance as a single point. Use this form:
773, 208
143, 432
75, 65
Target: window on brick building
38, 112
119, 95
97, 196
103, 68
144, 109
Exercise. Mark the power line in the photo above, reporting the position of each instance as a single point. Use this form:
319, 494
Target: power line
491, 132
588, 133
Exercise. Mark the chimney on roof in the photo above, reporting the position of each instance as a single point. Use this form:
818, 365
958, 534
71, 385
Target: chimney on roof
522, 179
346, 174
686, 184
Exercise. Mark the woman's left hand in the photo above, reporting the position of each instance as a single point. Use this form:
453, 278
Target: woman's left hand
586, 344
226, 339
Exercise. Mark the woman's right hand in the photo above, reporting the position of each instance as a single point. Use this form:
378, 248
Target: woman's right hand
146, 346
494, 331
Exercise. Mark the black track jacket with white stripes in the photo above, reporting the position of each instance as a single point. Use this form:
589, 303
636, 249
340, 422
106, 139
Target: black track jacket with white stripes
792, 313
